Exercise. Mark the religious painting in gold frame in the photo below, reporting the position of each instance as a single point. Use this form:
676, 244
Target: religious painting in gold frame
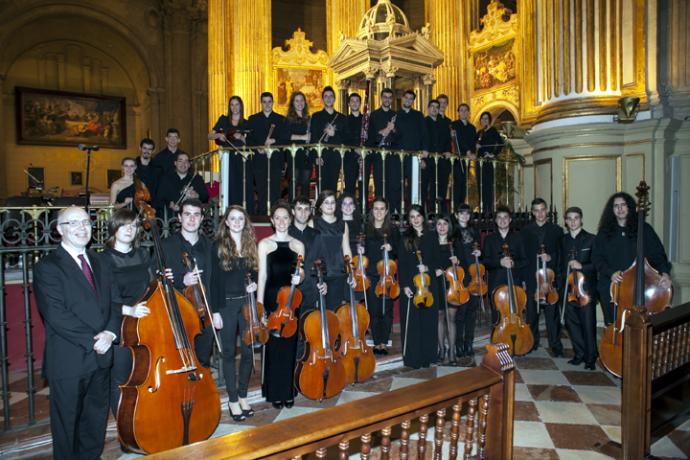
494, 66
297, 68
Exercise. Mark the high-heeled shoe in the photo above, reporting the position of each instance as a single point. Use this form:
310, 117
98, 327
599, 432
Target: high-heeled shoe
236, 417
277, 404
247, 410
289, 404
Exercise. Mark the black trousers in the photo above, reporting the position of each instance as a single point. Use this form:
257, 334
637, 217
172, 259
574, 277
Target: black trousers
393, 182
581, 323
351, 172
79, 415
235, 180
381, 315
234, 325
465, 321
443, 180
485, 185
459, 182
261, 182
374, 161
606, 303
553, 325
428, 172
303, 165
330, 170
119, 374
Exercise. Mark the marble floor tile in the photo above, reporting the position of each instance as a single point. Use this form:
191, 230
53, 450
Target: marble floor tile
532, 453
613, 432
553, 393
598, 395
531, 434
572, 454
348, 396
564, 413
442, 371
529, 362
606, 414
526, 411
522, 393
574, 436
682, 440
537, 377
665, 448
402, 382
588, 378
294, 412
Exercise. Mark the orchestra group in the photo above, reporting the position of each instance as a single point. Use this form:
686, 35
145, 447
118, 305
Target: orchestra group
304, 304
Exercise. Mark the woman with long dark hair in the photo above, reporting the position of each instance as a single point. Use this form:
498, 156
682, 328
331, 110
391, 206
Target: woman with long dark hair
234, 256
231, 131
418, 326
298, 133
349, 212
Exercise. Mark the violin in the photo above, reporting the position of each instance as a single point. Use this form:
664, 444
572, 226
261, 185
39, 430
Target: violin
456, 293
388, 280
353, 317
360, 263
546, 292
283, 322
256, 333
196, 294
421, 281
577, 292
320, 372
170, 399
477, 285
510, 301
640, 287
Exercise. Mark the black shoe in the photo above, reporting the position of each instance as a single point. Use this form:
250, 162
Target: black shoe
289, 404
575, 361
557, 353
590, 366
237, 417
277, 404
377, 351
384, 351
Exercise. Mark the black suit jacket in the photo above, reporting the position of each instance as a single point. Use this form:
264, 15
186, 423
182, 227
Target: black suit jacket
73, 313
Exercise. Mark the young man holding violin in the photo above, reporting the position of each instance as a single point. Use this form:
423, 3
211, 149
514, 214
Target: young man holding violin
537, 234
580, 307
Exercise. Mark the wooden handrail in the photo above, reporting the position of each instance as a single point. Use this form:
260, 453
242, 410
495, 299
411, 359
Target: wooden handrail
488, 389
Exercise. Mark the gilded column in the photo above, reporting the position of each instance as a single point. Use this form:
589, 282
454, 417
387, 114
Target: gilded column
250, 45
342, 19
447, 30
218, 56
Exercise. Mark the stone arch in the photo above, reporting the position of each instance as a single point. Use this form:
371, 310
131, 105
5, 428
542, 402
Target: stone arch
495, 109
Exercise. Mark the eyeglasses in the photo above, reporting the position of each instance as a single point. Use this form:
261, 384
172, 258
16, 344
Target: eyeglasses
77, 223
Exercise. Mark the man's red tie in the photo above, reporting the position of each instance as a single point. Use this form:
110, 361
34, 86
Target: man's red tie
86, 270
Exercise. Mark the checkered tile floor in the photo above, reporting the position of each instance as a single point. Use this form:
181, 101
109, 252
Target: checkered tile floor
561, 411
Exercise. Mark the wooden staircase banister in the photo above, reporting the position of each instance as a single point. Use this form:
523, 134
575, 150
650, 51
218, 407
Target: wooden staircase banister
329, 427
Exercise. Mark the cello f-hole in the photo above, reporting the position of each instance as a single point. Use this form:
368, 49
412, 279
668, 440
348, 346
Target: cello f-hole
157, 375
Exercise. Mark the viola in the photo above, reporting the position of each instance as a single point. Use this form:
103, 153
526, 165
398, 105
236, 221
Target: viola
353, 317
196, 294
577, 292
456, 293
388, 280
422, 296
510, 301
640, 287
256, 333
546, 292
360, 263
320, 371
477, 285
283, 322
170, 399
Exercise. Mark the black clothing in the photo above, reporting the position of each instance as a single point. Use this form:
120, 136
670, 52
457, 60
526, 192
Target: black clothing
581, 321
303, 161
493, 253
127, 192
229, 283
466, 135
234, 187
490, 143
331, 159
257, 169
147, 174
436, 174
354, 230
162, 164
279, 367
224, 125
332, 257
351, 159
422, 333
465, 318
353, 134
410, 134
380, 309
616, 251
171, 186
441, 261
313, 249
377, 121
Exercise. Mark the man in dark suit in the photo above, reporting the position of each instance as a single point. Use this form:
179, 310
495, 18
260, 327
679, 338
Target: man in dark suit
73, 292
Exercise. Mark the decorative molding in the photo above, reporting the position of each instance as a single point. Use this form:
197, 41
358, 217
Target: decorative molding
298, 53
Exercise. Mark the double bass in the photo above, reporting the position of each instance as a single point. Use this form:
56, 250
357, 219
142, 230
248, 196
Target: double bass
358, 358
640, 287
388, 280
320, 373
283, 322
170, 399
510, 301
456, 293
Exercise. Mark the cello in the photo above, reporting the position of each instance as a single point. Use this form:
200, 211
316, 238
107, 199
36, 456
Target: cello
639, 288
358, 358
422, 296
456, 293
546, 292
255, 335
170, 399
388, 280
320, 373
510, 301
283, 322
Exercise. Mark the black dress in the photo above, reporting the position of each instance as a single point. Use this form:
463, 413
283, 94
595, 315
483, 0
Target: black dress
132, 272
380, 309
279, 367
490, 143
127, 192
303, 161
422, 336
224, 125
332, 241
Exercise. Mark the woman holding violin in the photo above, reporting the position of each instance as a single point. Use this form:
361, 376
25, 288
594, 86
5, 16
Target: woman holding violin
297, 127
469, 241
349, 212
382, 242
418, 308
580, 294
231, 131
234, 257
278, 256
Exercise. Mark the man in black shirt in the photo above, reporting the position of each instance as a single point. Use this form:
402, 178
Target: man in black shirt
442, 106
435, 176
145, 170
198, 247
381, 128
494, 259
465, 135
536, 234
354, 138
164, 161
615, 248
328, 126
260, 125
313, 249
411, 135
581, 321
178, 185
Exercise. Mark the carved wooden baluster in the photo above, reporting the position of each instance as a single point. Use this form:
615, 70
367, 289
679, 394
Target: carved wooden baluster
483, 421
686, 343
667, 349
438, 433
385, 443
321, 453
455, 430
421, 443
655, 357
469, 428
404, 439
676, 347
366, 446
343, 447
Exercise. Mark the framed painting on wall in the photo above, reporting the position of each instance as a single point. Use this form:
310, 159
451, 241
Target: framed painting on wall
58, 118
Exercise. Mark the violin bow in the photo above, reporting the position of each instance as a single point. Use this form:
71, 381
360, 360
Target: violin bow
208, 309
